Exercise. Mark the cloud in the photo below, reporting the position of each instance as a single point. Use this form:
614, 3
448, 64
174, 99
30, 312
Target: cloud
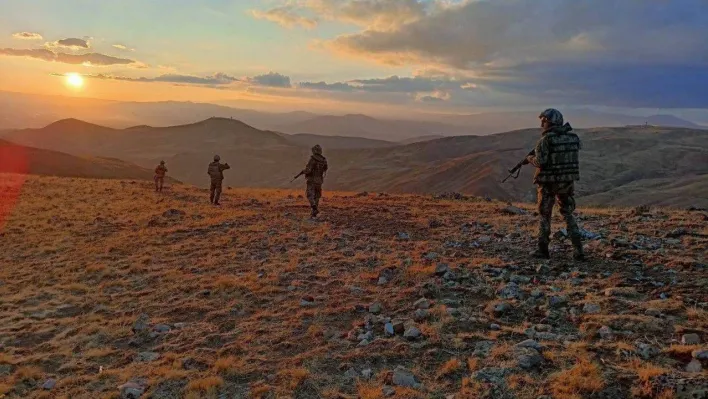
323, 86
271, 79
89, 59
122, 47
547, 46
372, 14
27, 36
72, 43
216, 79
285, 16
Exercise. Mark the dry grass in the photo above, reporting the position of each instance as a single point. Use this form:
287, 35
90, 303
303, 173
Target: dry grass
582, 379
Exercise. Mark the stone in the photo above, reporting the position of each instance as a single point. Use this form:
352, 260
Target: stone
161, 328
351, 374
367, 374
694, 366
513, 210
147, 357
441, 269
501, 308
306, 303
494, 327
375, 308
621, 291
700, 354
557, 301
529, 359
605, 332
519, 279
142, 324
49, 384
652, 312
646, 351
131, 390
529, 343
388, 328
482, 348
398, 326
421, 314
690, 339
403, 236
547, 336
388, 391
492, 375
422, 303
592, 308
404, 378
510, 291
412, 333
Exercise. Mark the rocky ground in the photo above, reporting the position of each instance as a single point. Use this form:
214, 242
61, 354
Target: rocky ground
108, 290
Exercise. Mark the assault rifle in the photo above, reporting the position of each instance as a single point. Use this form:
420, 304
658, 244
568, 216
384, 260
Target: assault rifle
298, 175
517, 169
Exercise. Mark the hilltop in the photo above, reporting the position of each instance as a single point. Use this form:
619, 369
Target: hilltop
619, 165
386, 295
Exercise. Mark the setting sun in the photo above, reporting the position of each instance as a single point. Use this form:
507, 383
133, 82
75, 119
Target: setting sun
74, 80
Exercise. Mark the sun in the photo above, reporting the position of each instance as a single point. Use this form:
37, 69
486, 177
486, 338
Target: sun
74, 80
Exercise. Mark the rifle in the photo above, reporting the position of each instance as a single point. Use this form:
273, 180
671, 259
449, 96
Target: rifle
298, 175
517, 169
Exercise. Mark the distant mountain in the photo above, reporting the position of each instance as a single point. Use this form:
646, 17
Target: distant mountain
420, 139
28, 160
336, 142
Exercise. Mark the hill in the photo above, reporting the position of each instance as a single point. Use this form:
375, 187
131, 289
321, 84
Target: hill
386, 295
27, 160
336, 142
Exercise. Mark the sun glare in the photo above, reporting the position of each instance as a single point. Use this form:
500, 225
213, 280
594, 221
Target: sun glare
74, 80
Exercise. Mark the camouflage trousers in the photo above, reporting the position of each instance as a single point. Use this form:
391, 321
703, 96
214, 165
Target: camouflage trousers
159, 181
548, 193
215, 191
314, 193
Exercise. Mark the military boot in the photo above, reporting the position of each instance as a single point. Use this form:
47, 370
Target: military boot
578, 253
542, 252
315, 212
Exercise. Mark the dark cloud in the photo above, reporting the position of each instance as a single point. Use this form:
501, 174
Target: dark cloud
216, 79
95, 59
543, 47
27, 36
271, 79
72, 42
338, 86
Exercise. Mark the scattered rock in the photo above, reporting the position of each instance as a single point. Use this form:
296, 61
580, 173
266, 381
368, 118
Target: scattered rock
690, 339
676, 233
367, 374
510, 291
161, 328
141, 325
513, 210
592, 308
434, 223
528, 358
404, 378
519, 279
172, 213
482, 348
441, 269
403, 236
492, 375
412, 333
557, 301
131, 390
494, 327
605, 332
652, 312
388, 391
49, 384
700, 354
351, 374
694, 366
501, 308
646, 351
147, 357
621, 291
388, 328
421, 314
529, 343
398, 326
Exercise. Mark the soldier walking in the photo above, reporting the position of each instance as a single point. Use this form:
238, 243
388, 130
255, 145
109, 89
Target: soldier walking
314, 174
160, 172
216, 174
557, 169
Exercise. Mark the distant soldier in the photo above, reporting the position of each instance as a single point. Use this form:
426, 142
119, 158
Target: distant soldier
160, 172
314, 174
216, 173
557, 169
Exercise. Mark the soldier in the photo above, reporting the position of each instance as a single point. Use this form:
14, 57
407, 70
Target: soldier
314, 174
216, 173
160, 172
557, 169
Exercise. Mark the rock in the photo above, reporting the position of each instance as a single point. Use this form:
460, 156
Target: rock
690, 339
364, 342
367, 336
652, 312
306, 303
529, 343
351, 374
536, 293
591, 308
441, 269
621, 291
494, 327
450, 276
514, 278
676, 233
646, 351
605, 332
557, 301
434, 223
404, 378
171, 213
147, 357
382, 280
492, 375
530, 332
412, 333
131, 390
700, 354
388, 328
403, 236
431, 256
421, 314
141, 325
694, 366
398, 326
510, 291
49, 384
388, 391
161, 328
530, 358
367, 374
501, 308
482, 348
422, 303
513, 210
547, 336
375, 308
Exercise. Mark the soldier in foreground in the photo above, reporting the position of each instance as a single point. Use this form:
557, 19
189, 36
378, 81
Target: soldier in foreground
160, 172
557, 169
314, 174
216, 173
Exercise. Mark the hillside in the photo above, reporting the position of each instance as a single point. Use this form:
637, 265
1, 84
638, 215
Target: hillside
400, 296
618, 164
27, 160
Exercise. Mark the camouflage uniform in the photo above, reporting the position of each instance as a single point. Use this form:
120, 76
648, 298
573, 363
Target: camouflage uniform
557, 163
160, 172
314, 174
216, 173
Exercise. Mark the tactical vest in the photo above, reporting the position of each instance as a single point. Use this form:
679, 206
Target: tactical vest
316, 174
215, 171
562, 164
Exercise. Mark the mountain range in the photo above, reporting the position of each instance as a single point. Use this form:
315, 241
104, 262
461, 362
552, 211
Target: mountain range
620, 165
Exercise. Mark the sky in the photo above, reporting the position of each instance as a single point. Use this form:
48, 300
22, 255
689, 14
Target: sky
426, 55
